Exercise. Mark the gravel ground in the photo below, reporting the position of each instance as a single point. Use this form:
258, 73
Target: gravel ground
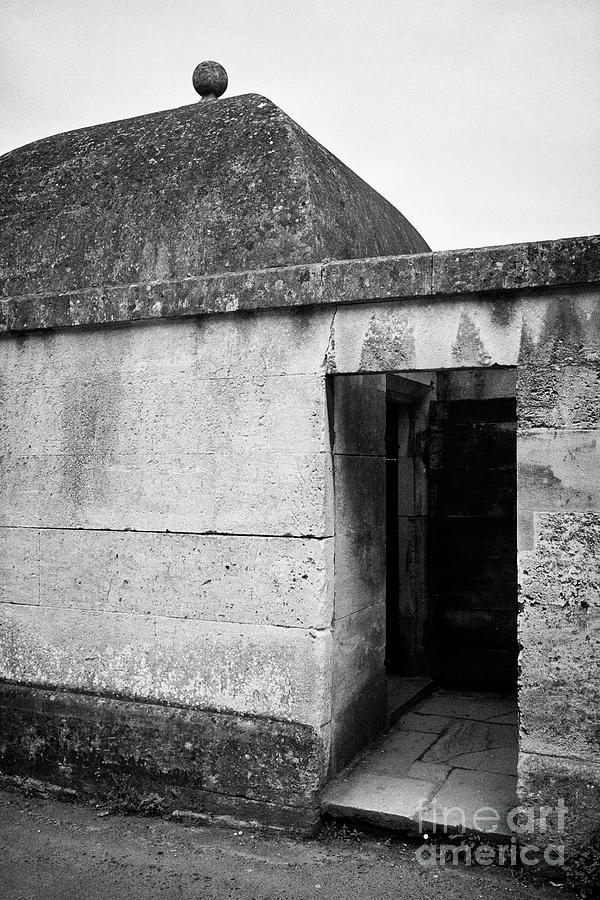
57, 850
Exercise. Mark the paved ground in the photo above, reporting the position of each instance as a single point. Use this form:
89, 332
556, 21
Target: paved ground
452, 755
56, 851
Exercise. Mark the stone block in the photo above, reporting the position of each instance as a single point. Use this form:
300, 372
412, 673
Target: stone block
516, 266
286, 342
359, 410
391, 337
282, 673
359, 532
359, 692
561, 327
355, 725
359, 493
559, 630
382, 800
197, 760
276, 342
254, 580
19, 566
174, 413
355, 280
359, 570
263, 494
477, 384
557, 469
480, 746
464, 794
559, 396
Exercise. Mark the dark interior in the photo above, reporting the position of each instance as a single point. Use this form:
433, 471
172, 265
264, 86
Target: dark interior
451, 594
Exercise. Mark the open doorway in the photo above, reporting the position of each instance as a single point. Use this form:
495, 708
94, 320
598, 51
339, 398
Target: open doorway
451, 574
425, 513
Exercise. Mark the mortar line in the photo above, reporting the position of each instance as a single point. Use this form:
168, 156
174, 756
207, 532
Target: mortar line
166, 531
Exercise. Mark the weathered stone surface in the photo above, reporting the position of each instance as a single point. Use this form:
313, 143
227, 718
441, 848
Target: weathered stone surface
481, 746
564, 396
467, 762
562, 329
569, 792
476, 384
482, 707
136, 754
359, 532
359, 414
235, 185
359, 690
559, 630
480, 271
396, 276
219, 578
292, 342
261, 670
467, 791
19, 566
177, 413
131, 428
517, 266
262, 494
379, 799
558, 469
400, 336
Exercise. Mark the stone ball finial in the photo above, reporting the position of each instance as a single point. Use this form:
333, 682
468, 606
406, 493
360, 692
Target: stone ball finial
210, 79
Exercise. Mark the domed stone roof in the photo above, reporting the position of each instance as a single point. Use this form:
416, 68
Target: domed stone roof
227, 185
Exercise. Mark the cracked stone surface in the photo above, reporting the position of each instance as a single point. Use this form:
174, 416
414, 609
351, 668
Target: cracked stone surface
452, 756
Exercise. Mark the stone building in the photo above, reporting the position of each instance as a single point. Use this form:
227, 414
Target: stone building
263, 454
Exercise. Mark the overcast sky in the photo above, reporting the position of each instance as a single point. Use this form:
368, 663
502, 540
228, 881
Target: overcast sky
478, 119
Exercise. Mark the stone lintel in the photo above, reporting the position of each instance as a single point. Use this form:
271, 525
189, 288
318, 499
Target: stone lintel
484, 271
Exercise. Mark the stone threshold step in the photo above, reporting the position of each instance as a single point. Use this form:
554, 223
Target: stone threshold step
404, 693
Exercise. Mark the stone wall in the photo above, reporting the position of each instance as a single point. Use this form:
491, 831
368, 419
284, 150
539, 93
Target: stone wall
359, 691
167, 518
559, 567
167, 522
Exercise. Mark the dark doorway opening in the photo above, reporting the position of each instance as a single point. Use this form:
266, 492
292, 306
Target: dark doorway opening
451, 575
425, 589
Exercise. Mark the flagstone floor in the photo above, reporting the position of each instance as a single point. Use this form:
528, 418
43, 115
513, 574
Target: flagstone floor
450, 763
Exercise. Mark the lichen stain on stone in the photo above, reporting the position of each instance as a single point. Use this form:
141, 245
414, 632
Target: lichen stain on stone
468, 348
527, 344
89, 422
502, 312
538, 474
389, 342
567, 333
562, 325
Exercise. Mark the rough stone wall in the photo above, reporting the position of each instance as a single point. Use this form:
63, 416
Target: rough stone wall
166, 516
559, 568
241, 476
